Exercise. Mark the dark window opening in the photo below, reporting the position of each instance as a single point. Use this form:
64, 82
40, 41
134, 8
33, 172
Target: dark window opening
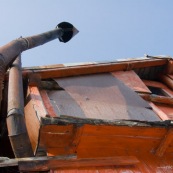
158, 91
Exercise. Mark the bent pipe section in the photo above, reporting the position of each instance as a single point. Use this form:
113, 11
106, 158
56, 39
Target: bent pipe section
8, 53
15, 119
64, 32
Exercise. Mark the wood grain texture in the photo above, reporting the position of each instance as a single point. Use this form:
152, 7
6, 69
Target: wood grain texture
159, 85
166, 141
47, 103
37, 101
159, 112
32, 122
157, 99
100, 140
167, 81
95, 68
132, 80
45, 165
104, 141
167, 109
149, 163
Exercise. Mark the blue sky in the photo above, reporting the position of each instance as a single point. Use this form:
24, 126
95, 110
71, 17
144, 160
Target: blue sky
109, 29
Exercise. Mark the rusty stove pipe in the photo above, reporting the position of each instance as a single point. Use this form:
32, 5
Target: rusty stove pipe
15, 119
8, 53
64, 31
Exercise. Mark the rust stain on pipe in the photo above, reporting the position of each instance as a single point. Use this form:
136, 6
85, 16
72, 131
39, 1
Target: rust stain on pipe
8, 53
15, 119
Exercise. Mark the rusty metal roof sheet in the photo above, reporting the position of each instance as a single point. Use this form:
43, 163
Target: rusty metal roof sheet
100, 96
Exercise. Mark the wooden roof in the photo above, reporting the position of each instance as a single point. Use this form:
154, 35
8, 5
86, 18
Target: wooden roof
113, 116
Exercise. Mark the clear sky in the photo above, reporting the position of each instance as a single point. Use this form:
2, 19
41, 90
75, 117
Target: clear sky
109, 29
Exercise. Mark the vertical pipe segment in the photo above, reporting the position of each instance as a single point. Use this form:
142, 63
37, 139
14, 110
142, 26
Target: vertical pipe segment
15, 119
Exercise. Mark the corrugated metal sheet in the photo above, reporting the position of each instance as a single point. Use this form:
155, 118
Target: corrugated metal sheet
100, 96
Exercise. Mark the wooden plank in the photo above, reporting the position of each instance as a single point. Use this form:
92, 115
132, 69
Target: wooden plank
101, 96
47, 103
105, 144
54, 136
167, 162
68, 147
106, 169
5, 161
165, 143
37, 101
159, 85
32, 122
150, 163
51, 163
157, 99
154, 84
96, 152
105, 130
64, 104
103, 169
167, 109
104, 141
132, 80
167, 81
99, 140
44, 66
76, 139
159, 112
95, 68
169, 67
57, 151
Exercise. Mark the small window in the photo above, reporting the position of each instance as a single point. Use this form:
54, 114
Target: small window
158, 91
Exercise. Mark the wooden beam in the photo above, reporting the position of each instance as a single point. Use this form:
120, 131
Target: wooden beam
5, 161
160, 85
166, 141
70, 161
94, 68
167, 80
169, 68
47, 104
46, 165
132, 80
159, 112
154, 84
157, 99
37, 101
76, 139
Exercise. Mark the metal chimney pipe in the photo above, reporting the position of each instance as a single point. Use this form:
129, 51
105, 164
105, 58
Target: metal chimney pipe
17, 131
64, 32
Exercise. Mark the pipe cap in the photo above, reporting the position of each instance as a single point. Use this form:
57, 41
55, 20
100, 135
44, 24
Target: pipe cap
69, 31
